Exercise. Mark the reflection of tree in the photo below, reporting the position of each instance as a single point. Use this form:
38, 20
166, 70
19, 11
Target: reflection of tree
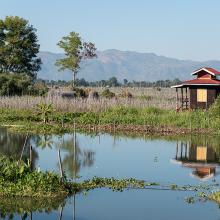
11, 144
45, 141
75, 158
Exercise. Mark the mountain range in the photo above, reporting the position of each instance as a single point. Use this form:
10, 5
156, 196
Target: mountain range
124, 64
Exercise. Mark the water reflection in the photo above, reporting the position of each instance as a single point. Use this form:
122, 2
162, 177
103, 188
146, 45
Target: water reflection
199, 154
74, 156
120, 157
21, 208
11, 144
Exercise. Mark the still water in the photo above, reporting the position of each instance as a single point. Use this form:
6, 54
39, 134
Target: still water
188, 160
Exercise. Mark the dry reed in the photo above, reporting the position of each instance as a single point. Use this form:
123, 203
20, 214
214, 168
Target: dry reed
142, 97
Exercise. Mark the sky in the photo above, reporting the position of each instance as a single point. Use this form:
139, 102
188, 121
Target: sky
183, 29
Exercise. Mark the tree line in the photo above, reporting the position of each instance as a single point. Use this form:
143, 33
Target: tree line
114, 82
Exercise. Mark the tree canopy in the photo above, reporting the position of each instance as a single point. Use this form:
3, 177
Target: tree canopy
18, 47
75, 51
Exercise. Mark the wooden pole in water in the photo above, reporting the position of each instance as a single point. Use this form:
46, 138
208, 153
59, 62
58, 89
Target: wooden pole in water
60, 165
62, 122
31, 157
61, 213
74, 206
23, 149
177, 148
74, 148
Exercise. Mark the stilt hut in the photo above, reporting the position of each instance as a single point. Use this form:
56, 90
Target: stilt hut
200, 92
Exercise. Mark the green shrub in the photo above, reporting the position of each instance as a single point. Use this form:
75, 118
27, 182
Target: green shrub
80, 93
107, 94
20, 84
45, 111
146, 97
215, 108
17, 179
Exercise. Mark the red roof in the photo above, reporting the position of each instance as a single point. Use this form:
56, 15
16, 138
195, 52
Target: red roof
208, 70
202, 82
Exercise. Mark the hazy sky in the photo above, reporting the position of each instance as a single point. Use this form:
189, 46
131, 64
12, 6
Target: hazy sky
186, 29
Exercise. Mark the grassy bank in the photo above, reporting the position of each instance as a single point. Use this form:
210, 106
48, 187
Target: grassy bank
17, 179
119, 118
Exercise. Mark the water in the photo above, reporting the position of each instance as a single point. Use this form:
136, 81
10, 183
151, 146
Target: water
189, 160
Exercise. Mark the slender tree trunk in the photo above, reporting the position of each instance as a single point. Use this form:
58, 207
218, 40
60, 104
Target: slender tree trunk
74, 79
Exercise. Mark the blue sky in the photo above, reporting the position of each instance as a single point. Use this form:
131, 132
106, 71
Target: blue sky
185, 29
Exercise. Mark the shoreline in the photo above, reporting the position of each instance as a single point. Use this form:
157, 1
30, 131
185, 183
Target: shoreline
125, 129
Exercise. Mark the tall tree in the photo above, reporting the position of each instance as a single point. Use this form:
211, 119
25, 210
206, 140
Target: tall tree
75, 51
18, 47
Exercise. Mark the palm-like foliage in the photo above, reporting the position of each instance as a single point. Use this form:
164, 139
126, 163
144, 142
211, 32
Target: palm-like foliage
45, 110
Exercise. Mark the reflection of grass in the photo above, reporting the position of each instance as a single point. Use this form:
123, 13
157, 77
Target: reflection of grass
215, 197
11, 206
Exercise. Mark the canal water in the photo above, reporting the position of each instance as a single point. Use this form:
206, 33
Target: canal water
187, 160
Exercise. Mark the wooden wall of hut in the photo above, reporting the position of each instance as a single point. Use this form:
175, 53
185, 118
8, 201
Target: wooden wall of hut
211, 96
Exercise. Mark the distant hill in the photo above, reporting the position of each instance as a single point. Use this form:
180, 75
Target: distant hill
124, 64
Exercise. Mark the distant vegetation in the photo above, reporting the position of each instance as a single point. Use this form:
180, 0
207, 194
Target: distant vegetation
114, 82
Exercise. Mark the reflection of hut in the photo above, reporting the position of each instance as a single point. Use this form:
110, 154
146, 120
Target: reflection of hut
204, 172
201, 158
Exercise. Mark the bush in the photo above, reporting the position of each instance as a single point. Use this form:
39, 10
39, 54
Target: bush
38, 89
215, 108
107, 94
17, 179
80, 93
93, 95
126, 94
146, 97
20, 84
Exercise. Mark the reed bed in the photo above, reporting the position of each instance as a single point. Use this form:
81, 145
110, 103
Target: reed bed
142, 97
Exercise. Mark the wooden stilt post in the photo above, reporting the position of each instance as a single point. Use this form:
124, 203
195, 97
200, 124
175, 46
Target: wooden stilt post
182, 97
177, 100
186, 99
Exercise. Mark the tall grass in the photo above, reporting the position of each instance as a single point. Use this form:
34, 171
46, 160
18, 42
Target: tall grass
142, 98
